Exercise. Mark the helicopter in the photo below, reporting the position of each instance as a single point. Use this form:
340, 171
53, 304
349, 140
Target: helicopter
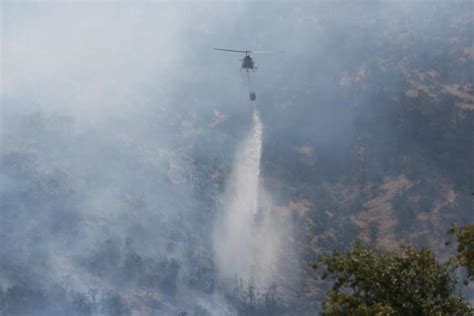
248, 63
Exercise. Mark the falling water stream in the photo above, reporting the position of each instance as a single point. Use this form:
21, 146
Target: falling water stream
246, 172
246, 247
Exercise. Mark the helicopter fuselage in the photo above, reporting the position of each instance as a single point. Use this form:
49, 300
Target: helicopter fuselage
248, 63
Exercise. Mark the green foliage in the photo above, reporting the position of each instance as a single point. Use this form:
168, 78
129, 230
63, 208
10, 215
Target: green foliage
407, 282
465, 239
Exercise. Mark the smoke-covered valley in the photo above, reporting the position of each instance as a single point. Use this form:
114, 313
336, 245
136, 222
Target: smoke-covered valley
137, 179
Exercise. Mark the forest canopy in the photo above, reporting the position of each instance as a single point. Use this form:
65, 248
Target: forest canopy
368, 281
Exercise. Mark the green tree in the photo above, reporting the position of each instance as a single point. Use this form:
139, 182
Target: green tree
368, 281
465, 249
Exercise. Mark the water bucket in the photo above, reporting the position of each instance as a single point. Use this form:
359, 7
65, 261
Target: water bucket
252, 96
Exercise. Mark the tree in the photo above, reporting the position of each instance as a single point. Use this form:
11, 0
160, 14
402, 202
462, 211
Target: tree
465, 249
368, 281
21, 299
85, 304
169, 276
115, 305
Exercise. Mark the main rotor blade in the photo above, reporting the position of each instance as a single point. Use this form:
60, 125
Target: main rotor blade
232, 50
266, 51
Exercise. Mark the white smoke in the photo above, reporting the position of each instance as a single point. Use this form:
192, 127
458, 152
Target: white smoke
247, 237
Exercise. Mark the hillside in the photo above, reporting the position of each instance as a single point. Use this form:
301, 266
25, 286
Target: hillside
117, 155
